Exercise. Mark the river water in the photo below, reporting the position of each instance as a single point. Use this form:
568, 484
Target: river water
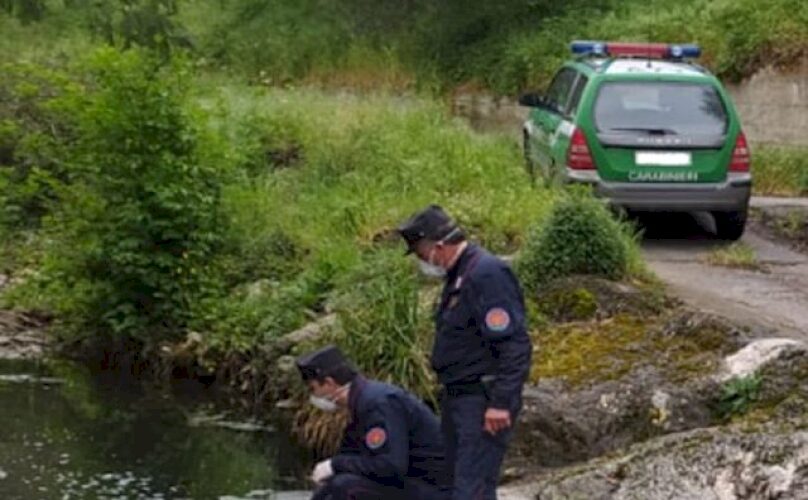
66, 434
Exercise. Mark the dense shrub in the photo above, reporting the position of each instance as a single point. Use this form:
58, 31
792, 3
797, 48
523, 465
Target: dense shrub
579, 236
135, 229
34, 134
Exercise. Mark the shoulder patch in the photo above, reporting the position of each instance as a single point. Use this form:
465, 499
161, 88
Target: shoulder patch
375, 438
497, 319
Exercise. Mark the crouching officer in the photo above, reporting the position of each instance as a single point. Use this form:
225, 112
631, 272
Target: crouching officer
391, 448
481, 352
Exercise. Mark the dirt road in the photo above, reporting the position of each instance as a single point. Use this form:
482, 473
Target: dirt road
773, 299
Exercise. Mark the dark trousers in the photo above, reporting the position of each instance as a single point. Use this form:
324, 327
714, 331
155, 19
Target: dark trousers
355, 487
473, 456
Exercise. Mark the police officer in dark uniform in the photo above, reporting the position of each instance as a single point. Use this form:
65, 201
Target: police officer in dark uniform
392, 447
481, 352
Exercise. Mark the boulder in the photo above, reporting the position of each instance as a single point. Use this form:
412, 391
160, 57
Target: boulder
704, 464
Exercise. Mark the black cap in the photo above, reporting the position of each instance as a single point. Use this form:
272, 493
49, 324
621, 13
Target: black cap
321, 363
431, 223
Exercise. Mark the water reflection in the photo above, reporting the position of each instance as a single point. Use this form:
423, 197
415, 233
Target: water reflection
91, 438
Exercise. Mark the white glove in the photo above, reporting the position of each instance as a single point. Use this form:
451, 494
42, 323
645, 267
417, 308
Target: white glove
322, 471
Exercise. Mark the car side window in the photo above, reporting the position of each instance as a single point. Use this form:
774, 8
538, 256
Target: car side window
559, 91
575, 97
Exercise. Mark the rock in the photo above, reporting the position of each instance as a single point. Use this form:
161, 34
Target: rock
703, 464
663, 427
219, 421
286, 364
308, 333
580, 298
271, 495
672, 389
756, 355
24, 378
287, 404
22, 336
560, 426
292, 495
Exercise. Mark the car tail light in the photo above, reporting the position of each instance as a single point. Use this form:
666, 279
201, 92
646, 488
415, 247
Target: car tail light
740, 155
578, 155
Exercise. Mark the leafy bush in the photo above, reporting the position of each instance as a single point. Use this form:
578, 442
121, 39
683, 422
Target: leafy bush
579, 236
138, 23
140, 221
738, 394
34, 134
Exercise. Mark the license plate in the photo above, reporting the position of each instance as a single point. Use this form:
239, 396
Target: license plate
663, 159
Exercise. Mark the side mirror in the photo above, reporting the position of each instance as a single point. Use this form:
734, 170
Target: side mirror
532, 101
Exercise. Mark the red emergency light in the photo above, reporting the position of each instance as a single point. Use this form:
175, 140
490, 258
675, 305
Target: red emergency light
630, 49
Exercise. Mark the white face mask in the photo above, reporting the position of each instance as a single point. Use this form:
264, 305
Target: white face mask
430, 269
324, 404
434, 270
327, 403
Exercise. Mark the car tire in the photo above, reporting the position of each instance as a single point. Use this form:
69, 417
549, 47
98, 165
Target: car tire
730, 225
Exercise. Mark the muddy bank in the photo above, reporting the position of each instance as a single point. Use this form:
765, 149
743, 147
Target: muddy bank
22, 336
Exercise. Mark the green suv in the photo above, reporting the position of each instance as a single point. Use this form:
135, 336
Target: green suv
649, 130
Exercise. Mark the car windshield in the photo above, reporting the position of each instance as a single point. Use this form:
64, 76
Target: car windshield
661, 108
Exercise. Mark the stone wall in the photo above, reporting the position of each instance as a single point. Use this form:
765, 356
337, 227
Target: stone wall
773, 105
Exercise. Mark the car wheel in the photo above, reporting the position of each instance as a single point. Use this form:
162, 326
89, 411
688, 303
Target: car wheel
730, 225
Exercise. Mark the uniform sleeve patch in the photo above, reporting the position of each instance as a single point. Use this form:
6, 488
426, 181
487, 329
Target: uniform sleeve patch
497, 319
375, 438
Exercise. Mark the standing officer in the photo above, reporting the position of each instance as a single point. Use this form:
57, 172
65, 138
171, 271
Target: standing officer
392, 447
481, 353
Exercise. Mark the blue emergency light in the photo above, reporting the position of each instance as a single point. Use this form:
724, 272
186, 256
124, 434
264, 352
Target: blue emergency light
644, 50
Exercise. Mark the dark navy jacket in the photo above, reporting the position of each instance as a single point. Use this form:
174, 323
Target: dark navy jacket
480, 328
392, 437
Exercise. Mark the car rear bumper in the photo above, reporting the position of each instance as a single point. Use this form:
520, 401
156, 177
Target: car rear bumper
731, 195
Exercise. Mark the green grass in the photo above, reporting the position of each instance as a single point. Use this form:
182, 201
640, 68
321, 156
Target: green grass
780, 171
738, 395
736, 255
367, 163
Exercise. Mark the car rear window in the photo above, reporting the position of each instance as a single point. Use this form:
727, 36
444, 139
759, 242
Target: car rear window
660, 107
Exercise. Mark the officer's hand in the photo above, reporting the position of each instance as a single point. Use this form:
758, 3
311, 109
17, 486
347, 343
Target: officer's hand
496, 420
322, 471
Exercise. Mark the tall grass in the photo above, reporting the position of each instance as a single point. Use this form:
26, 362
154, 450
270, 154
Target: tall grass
369, 162
780, 170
